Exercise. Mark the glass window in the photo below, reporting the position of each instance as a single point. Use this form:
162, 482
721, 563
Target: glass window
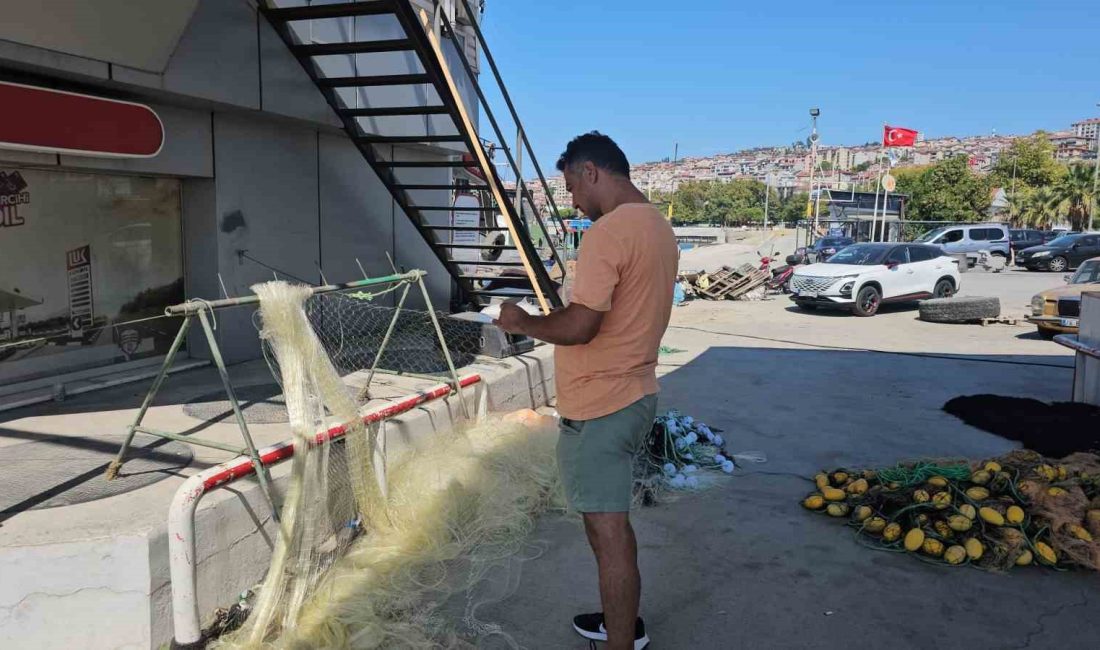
921, 254
1088, 241
83, 256
1088, 273
983, 234
951, 236
898, 256
861, 254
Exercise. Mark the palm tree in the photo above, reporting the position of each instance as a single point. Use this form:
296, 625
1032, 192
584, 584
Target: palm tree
1072, 195
1033, 208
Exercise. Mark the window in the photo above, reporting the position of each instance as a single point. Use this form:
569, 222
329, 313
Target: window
1088, 241
898, 256
951, 236
921, 254
984, 234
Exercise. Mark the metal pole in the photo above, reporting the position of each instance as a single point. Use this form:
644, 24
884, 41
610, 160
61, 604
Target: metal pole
878, 188
181, 335
813, 167
197, 306
767, 195
365, 391
1095, 181
261, 471
445, 350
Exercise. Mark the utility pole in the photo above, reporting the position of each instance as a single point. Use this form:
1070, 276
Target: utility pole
1095, 179
767, 195
814, 113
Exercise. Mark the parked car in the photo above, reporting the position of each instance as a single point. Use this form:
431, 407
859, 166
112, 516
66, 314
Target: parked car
970, 238
1026, 238
826, 247
1062, 254
1057, 310
862, 277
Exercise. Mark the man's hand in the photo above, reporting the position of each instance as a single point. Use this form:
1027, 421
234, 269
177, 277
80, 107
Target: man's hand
511, 318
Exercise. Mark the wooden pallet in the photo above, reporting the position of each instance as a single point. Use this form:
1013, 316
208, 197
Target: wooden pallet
729, 283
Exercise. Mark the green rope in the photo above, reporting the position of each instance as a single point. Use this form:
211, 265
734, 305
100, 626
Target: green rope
917, 473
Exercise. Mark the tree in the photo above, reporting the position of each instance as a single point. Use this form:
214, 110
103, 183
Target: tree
1072, 196
791, 209
946, 191
1031, 161
1033, 208
826, 166
716, 202
862, 167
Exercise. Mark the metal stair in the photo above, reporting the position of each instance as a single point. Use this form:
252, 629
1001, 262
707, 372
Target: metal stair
436, 130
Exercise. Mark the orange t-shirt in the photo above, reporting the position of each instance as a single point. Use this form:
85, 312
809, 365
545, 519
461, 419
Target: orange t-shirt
626, 267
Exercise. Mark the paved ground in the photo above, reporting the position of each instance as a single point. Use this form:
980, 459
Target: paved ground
743, 566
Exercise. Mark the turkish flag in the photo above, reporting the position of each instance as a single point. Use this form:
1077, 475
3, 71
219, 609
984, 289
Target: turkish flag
895, 136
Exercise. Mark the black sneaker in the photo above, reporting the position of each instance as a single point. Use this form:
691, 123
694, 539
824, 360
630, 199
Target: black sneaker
590, 626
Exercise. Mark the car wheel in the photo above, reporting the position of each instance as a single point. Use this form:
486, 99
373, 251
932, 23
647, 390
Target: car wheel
944, 289
1058, 264
1047, 333
867, 302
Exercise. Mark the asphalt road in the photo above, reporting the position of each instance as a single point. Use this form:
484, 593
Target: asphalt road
741, 565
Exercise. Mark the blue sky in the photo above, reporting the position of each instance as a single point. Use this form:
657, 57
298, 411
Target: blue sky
723, 75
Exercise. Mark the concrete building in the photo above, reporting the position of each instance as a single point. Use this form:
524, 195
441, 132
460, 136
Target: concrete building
255, 177
1088, 129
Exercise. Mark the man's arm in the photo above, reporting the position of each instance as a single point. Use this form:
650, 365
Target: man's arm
574, 325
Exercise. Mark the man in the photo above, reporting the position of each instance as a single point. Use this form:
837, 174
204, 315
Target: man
605, 362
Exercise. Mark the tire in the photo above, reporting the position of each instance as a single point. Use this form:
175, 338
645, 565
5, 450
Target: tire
1047, 333
867, 302
959, 310
999, 254
1058, 264
944, 289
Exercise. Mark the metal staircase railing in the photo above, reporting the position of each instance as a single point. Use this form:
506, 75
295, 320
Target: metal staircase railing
408, 34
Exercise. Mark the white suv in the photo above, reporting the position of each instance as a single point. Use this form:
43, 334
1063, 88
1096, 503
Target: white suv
863, 276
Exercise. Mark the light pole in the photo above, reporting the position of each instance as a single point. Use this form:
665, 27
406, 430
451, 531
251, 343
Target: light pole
814, 113
767, 195
1095, 178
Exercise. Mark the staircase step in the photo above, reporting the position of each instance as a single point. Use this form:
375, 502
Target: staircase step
422, 163
503, 293
479, 247
430, 186
448, 208
408, 139
357, 47
375, 80
464, 228
386, 111
340, 10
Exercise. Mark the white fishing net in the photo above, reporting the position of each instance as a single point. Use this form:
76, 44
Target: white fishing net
407, 564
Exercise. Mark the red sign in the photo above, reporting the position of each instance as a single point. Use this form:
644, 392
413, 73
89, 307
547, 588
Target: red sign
53, 121
895, 136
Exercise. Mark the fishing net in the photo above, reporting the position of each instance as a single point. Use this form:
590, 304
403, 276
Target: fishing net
367, 563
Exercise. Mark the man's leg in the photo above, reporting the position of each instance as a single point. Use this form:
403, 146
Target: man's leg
612, 540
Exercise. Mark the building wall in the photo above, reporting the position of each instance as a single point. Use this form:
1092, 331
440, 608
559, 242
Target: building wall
267, 168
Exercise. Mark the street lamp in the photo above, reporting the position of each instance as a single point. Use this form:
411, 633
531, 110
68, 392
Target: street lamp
1095, 178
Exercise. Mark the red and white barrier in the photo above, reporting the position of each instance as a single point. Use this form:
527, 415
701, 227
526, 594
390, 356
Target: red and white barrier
181, 514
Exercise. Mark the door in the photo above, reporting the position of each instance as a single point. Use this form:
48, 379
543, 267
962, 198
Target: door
952, 241
928, 267
899, 277
1085, 248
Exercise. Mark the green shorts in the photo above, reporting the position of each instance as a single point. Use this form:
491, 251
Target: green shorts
596, 457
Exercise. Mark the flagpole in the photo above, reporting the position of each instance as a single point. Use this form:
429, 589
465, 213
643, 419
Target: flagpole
878, 185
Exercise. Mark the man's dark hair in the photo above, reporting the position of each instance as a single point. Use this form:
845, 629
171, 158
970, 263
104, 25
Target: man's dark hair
598, 149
